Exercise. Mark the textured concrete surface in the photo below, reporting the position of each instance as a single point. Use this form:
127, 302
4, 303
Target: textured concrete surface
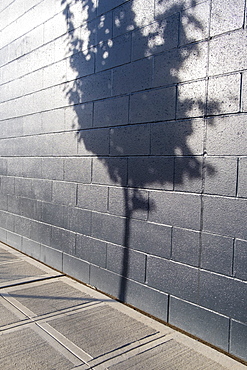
49, 321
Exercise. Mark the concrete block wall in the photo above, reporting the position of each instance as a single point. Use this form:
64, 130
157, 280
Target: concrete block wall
123, 128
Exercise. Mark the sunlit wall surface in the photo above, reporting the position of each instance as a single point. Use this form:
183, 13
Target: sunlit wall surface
124, 152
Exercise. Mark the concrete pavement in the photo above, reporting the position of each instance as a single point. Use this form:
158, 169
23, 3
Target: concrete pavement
50, 321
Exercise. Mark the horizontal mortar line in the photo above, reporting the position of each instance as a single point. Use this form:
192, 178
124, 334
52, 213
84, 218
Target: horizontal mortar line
26, 281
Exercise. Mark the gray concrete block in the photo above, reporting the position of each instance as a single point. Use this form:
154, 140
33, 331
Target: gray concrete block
132, 203
79, 64
227, 53
93, 87
91, 250
191, 99
30, 208
93, 142
3, 235
244, 92
103, 27
240, 260
223, 180
176, 209
177, 138
153, 172
51, 257
224, 94
104, 7
242, 184
4, 202
173, 278
186, 246
238, 339
113, 52
180, 65
126, 262
77, 169
3, 167
153, 105
217, 253
64, 193
31, 248
76, 267
13, 204
227, 135
64, 144
150, 238
52, 168
188, 174
109, 171
130, 140
111, 112
7, 185
226, 16
132, 14
156, 37
14, 240
225, 216
42, 189
14, 166
40, 232
104, 228
78, 116
54, 214
23, 226
54, 74
52, 120
105, 280
63, 240
32, 125
200, 322
224, 295
93, 197
8, 221
79, 220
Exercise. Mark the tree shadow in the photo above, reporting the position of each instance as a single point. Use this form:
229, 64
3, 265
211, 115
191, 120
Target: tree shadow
90, 49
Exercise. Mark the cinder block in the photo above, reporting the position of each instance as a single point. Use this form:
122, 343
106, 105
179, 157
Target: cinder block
31, 248
80, 220
111, 112
32, 125
244, 92
153, 105
131, 15
64, 193
64, 144
227, 52
186, 246
130, 140
177, 138
238, 339
4, 202
104, 7
176, 209
55, 27
14, 240
150, 238
105, 280
104, 228
23, 188
13, 203
23, 226
54, 214
173, 278
76, 268
93, 197
3, 235
200, 322
153, 172
113, 52
80, 64
188, 174
240, 260
103, 27
109, 171
91, 250
221, 176
7, 185
194, 24
40, 232
63, 240
93, 87
52, 168
8, 221
77, 169
224, 94
224, 295
126, 262
14, 166
52, 120
191, 100
217, 253
226, 16
51, 257
42, 189
128, 202
94, 141
225, 216
180, 65
156, 37
242, 184
78, 117
227, 135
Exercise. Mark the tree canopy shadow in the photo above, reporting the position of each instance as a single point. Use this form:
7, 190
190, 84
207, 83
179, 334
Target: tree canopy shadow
92, 40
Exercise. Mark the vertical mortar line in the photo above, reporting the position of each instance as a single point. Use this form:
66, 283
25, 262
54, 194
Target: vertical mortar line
145, 269
93, 113
168, 307
128, 113
176, 100
240, 92
233, 255
237, 177
245, 14
108, 199
229, 335
91, 175
172, 229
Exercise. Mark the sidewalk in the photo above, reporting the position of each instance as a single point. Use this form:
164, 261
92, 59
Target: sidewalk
49, 321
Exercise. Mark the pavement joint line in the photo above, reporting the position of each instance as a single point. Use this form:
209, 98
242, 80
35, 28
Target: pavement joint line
24, 281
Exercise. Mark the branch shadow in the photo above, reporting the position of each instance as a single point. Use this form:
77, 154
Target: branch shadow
90, 48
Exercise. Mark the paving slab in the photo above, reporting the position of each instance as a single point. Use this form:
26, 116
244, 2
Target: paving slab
50, 321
